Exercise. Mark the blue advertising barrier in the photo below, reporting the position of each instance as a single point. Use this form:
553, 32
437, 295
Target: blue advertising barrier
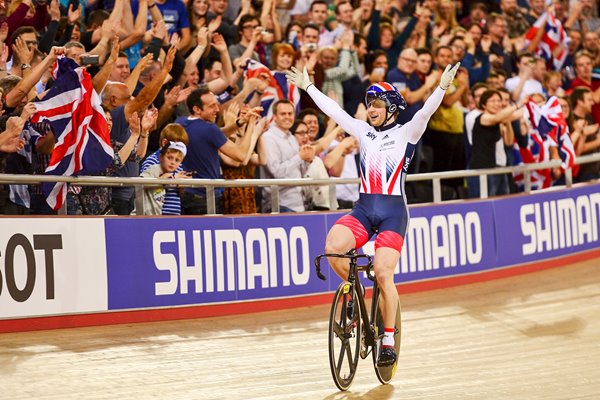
158, 262
546, 225
163, 262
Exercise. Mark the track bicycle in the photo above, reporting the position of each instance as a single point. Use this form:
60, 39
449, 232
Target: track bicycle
353, 332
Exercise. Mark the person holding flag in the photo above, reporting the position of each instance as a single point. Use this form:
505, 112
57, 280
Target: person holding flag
72, 108
548, 39
278, 88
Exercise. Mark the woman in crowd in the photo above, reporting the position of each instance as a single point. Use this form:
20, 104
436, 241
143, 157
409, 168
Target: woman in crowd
489, 128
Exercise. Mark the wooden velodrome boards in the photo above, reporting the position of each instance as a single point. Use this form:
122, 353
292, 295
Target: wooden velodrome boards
531, 336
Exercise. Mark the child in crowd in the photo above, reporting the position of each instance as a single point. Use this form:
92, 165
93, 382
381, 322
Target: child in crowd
171, 156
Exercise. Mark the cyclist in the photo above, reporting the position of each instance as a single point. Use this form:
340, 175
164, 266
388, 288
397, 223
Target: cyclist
386, 150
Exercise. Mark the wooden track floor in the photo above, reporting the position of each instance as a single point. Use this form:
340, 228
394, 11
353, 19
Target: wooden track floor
534, 336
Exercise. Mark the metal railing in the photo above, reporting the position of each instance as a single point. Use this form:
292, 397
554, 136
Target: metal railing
276, 184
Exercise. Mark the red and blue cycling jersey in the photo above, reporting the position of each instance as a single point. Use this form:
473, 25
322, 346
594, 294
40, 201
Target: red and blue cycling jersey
384, 154
384, 159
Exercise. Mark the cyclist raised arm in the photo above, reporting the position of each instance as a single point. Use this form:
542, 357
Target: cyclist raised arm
386, 150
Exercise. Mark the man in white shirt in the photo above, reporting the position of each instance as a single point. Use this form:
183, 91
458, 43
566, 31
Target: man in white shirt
285, 159
526, 83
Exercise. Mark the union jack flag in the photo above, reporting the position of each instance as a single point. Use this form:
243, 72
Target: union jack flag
278, 87
74, 111
548, 129
554, 39
548, 122
533, 153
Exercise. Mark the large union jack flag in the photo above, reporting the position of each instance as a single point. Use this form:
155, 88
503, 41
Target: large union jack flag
278, 87
554, 45
74, 111
548, 122
548, 129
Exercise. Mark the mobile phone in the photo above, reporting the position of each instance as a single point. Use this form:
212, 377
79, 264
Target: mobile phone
311, 46
379, 70
90, 59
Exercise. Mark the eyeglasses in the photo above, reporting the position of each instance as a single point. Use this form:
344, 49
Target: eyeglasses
301, 133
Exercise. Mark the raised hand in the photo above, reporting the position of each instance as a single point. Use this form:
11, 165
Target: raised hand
149, 119
134, 124
145, 61
24, 54
214, 24
298, 78
54, 10
448, 75
261, 126
114, 50
170, 58
3, 31
231, 115
14, 125
55, 52
218, 42
28, 111
159, 30
486, 43
3, 54
175, 39
73, 14
202, 37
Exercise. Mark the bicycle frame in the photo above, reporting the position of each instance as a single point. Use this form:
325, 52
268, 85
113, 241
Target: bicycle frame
353, 279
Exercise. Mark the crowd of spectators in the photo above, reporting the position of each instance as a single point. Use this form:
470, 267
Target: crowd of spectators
196, 88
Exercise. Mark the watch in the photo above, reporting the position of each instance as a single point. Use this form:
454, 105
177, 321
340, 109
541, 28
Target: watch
25, 66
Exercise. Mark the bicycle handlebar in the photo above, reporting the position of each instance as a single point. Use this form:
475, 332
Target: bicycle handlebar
367, 268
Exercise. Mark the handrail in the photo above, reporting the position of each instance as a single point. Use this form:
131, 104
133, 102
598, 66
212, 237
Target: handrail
435, 177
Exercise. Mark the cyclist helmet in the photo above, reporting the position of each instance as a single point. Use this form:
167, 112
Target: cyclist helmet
388, 93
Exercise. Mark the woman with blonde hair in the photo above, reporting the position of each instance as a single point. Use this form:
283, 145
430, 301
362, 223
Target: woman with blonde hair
445, 19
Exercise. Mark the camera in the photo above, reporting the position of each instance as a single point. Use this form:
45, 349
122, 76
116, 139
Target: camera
90, 59
311, 46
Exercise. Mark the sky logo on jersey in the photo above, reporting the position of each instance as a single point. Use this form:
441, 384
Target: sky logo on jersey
406, 164
371, 135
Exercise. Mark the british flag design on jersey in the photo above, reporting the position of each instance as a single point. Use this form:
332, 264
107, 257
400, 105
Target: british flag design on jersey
384, 162
386, 154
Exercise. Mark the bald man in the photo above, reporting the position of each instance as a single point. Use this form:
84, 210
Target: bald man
404, 77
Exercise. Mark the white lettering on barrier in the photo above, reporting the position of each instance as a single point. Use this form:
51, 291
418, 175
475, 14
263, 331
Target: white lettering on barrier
446, 241
272, 257
239, 261
560, 224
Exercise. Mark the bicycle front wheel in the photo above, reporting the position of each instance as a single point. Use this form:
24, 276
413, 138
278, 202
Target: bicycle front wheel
384, 374
344, 335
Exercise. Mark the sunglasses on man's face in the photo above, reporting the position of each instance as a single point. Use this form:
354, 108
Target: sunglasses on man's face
375, 102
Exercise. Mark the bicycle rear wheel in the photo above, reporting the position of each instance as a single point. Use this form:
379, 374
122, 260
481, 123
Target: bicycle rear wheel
384, 374
344, 336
